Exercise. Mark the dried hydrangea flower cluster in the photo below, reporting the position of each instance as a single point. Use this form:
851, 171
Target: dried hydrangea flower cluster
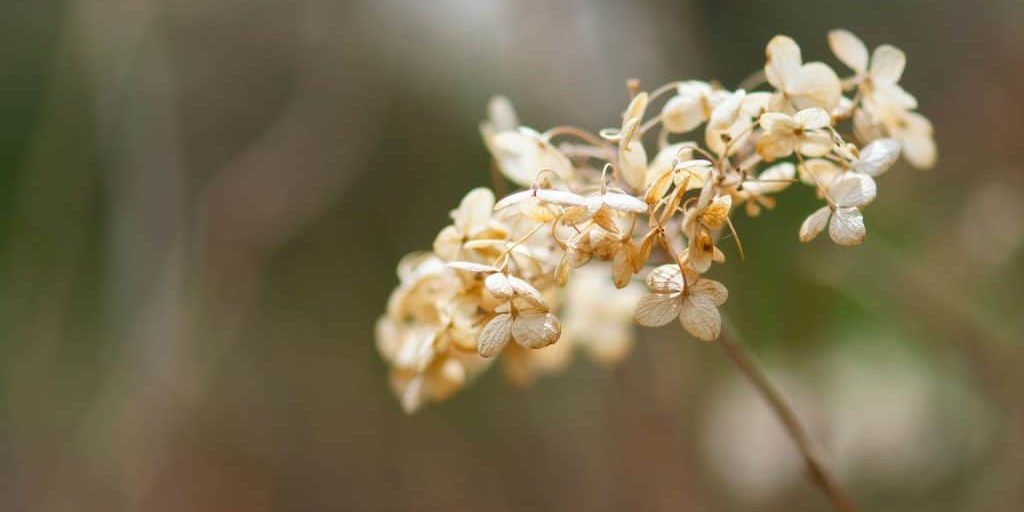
497, 275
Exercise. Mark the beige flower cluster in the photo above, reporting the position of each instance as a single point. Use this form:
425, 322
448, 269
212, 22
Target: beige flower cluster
598, 213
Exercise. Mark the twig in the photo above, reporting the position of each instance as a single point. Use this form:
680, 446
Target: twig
818, 473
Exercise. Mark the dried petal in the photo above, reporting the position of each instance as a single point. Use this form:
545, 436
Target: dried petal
536, 330
877, 157
655, 310
814, 224
700, 317
849, 49
847, 227
495, 335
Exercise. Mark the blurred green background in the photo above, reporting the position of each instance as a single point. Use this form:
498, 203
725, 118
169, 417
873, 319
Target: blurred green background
202, 203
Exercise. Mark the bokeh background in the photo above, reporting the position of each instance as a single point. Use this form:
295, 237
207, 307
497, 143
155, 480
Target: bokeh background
202, 203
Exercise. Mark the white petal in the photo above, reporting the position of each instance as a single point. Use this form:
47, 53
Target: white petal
527, 292
700, 318
847, 227
877, 157
666, 279
498, 285
710, 289
536, 330
474, 210
849, 49
816, 86
494, 336
560, 197
724, 115
783, 61
633, 164
812, 118
853, 189
819, 171
502, 114
472, 267
657, 309
813, 224
887, 64
624, 202
636, 108
682, 113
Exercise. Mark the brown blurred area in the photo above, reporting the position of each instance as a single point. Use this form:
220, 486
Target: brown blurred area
202, 204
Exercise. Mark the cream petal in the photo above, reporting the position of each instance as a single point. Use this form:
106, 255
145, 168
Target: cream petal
920, 151
710, 289
816, 144
527, 292
783, 61
665, 279
472, 267
682, 113
814, 224
847, 227
772, 180
816, 86
499, 286
502, 114
849, 49
495, 335
536, 330
475, 210
448, 242
624, 202
633, 164
877, 157
655, 310
700, 318
622, 267
853, 189
636, 108
724, 115
887, 63
819, 171
812, 118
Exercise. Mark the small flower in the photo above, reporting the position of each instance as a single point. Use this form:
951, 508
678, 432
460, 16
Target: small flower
802, 85
878, 76
709, 215
772, 180
845, 197
530, 327
691, 106
522, 153
694, 301
471, 221
803, 132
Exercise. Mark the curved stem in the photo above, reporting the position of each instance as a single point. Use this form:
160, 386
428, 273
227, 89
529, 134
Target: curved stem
820, 476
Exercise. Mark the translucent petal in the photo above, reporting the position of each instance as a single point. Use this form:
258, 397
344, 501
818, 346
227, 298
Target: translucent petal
683, 113
633, 164
495, 336
655, 310
499, 286
536, 330
853, 189
814, 224
783, 61
527, 292
816, 86
816, 144
710, 289
665, 279
624, 202
849, 49
812, 118
887, 63
877, 157
700, 318
847, 227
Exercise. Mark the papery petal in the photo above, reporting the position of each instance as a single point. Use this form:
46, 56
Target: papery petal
657, 309
665, 279
812, 118
877, 157
816, 86
816, 144
724, 115
710, 289
783, 61
495, 335
499, 286
624, 202
472, 267
849, 49
448, 242
536, 330
633, 164
887, 63
847, 226
700, 318
772, 180
853, 189
814, 224
527, 292
819, 171
622, 266
683, 113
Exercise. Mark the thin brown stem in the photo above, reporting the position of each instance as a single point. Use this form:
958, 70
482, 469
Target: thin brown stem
820, 476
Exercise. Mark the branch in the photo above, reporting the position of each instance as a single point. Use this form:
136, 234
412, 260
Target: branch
820, 476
